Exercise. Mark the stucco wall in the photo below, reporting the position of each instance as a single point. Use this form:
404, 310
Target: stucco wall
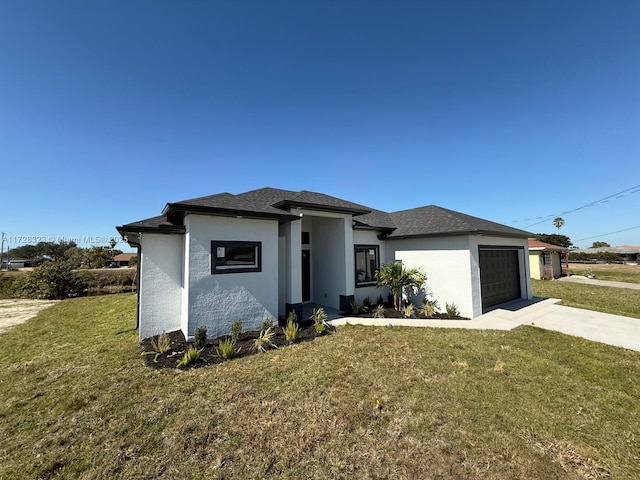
329, 262
160, 283
534, 263
216, 301
447, 263
368, 237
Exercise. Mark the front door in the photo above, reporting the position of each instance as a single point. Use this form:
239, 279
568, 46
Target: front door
306, 275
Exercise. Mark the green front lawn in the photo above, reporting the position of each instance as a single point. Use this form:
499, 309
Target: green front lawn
618, 301
78, 402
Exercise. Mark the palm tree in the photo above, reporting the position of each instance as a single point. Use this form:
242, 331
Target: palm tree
558, 222
399, 279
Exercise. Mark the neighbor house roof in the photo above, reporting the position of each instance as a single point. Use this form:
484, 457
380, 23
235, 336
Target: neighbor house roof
624, 250
275, 203
433, 220
123, 257
538, 245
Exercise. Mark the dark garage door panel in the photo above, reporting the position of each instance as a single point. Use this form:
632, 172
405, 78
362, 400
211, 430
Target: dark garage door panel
499, 277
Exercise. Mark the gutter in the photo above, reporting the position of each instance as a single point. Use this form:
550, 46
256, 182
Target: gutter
138, 246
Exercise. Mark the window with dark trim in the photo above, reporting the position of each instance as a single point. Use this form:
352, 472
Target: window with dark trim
235, 257
367, 262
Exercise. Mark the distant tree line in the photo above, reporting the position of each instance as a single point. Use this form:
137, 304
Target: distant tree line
555, 239
602, 256
69, 252
65, 270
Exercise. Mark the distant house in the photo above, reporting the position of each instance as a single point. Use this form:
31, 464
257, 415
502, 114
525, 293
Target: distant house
16, 263
123, 259
627, 253
546, 261
209, 261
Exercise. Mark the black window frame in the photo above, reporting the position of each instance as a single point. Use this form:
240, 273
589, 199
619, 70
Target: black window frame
366, 283
218, 270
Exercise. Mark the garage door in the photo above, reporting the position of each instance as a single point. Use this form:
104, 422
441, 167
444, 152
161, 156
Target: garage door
499, 276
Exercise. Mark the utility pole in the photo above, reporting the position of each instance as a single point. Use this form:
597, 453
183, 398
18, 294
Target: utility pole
2, 252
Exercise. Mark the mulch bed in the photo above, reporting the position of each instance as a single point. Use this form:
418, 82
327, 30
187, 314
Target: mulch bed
178, 346
390, 312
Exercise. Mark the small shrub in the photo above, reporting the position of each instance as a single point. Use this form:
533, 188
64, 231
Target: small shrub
264, 340
291, 329
227, 349
409, 311
355, 308
159, 345
452, 309
378, 312
366, 304
590, 273
380, 300
236, 330
319, 317
200, 337
192, 355
268, 323
292, 317
430, 307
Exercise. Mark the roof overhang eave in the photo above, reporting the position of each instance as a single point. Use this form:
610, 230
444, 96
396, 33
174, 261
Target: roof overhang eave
172, 209
488, 233
321, 208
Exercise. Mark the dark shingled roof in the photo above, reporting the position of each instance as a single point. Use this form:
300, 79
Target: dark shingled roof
376, 219
226, 202
273, 202
159, 223
433, 220
304, 199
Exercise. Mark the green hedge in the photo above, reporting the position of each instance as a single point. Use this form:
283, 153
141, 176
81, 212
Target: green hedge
604, 256
108, 277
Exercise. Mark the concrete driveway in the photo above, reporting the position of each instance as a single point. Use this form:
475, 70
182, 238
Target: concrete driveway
600, 327
544, 313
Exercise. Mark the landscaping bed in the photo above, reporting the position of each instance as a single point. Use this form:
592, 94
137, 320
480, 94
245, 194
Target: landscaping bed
390, 312
208, 356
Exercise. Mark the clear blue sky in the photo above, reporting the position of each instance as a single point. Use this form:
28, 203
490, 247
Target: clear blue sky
507, 110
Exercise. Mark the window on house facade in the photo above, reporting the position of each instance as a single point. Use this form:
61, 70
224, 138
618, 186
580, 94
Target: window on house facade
235, 257
367, 263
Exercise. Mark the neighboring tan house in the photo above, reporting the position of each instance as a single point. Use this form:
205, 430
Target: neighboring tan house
212, 260
546, 261
123, 259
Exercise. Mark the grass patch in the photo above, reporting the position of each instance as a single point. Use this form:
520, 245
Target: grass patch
618, 301
612, 272
78, 402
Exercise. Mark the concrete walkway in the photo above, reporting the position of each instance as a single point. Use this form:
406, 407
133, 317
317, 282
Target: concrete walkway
595, 281
544, 313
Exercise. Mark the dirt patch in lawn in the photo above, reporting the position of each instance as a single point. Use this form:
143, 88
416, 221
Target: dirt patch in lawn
15, 312
178, 346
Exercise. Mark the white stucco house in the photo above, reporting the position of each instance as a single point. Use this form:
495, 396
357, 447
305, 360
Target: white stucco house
212, 260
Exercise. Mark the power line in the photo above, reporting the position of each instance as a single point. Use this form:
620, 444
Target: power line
617, 195
610, 233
